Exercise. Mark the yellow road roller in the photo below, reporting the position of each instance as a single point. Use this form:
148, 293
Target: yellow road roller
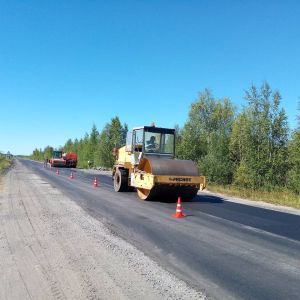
146, 163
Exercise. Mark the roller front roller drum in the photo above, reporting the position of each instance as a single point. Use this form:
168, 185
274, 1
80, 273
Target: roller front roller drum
168, 193
158, 166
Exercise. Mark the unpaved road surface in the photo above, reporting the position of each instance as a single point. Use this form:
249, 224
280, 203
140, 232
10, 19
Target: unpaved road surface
50, 248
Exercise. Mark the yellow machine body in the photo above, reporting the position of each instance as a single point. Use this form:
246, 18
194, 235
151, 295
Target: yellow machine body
155, 175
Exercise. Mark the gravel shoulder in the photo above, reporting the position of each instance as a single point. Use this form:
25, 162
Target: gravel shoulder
52, 249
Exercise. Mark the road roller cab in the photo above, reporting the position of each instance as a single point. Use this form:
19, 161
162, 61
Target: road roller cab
147, 163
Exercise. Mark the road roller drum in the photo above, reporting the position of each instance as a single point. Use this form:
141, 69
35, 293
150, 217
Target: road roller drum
147, 164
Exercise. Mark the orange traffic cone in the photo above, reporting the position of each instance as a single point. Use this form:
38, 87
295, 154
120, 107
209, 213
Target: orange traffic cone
178, 213
57, 172
95, 182
71, 176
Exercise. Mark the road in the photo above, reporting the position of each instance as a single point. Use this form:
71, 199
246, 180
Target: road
224, 249
50, 248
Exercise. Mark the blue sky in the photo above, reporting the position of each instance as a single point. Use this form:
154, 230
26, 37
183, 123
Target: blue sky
65, 65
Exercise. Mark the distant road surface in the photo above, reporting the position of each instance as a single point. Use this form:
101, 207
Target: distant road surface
222, 249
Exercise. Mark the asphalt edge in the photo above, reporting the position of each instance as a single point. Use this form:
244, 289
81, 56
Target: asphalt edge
254, 203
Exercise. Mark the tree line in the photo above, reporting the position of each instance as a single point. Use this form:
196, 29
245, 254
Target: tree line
95, 148
252, 148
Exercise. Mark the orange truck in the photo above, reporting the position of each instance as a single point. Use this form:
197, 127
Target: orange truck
60, 159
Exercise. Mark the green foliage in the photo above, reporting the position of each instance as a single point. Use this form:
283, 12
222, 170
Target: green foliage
205, 137
113, 135
94, 149
47, 153
83, 152
294, 161
259, 139
4, 163
68, 147
92, 145
249, 149
178, 139
97, 147
37, 154
298, 116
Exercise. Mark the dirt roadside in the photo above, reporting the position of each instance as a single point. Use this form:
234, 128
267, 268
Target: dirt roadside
51, 249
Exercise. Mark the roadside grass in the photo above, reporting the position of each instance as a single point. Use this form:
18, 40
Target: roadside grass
278, 197
4, 163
